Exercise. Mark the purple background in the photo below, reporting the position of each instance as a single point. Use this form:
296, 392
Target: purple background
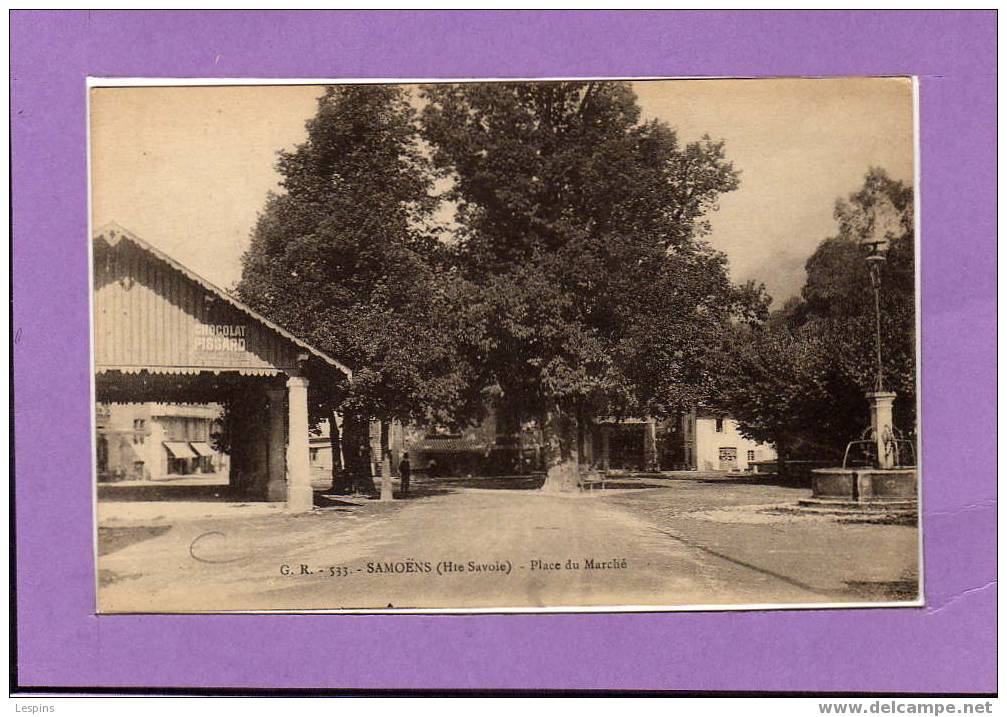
947, 646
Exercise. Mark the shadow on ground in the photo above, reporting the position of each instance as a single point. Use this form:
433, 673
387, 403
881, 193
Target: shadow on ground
766, 479
625, 485
112, 539
427, 486
166, 491
326, 499
726, 478
887, 590
533, 481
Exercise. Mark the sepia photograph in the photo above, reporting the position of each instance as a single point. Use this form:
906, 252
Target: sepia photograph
491, 346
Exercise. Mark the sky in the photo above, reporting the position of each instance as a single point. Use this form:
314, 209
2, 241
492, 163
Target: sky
188, 168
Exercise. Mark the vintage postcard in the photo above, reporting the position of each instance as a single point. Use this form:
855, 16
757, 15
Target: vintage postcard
491, 346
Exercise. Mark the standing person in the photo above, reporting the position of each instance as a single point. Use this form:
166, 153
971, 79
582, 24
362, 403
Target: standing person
405, 471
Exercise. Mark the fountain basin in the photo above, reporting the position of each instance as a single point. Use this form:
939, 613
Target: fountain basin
865, 485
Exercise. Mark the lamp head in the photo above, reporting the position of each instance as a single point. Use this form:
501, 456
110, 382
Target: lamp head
874, 262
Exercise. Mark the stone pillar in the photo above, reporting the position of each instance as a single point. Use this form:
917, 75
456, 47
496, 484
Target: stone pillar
881, 422
650, 445
386, 478
605, 434
300, 498
276, 442
342, 443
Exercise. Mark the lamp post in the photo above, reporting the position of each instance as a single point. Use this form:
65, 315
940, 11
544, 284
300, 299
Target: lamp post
874, 261
880, 400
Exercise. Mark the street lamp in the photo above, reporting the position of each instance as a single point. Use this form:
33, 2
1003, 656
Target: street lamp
884, 222
875, 259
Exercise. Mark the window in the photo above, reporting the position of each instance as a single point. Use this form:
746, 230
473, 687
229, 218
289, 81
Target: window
720, 425
751, 456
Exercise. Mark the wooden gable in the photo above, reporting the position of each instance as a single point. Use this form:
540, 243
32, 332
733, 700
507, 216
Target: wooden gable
151, 313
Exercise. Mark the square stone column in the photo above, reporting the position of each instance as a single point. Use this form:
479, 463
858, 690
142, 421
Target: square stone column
276, 462
606, 433
386, 477
881, 422
300, 498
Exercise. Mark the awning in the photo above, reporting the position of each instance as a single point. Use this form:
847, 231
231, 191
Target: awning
179, 450
202, 449
449, 445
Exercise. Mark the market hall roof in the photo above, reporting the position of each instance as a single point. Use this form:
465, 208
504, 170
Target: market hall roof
152, 313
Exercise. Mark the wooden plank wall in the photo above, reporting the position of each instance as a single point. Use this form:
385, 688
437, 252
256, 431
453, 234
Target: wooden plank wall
149, 315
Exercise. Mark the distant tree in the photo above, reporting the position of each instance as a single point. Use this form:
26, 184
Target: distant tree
799, 381
783, 388
347, 256
591, 291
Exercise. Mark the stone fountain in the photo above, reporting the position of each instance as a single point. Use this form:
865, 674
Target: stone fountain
879, 471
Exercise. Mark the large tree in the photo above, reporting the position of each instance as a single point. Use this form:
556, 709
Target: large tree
799, 381
347, 256
591, 291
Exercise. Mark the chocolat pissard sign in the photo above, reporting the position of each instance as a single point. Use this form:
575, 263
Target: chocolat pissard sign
220, 338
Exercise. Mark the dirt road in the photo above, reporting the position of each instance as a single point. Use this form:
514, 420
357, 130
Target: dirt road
683, 544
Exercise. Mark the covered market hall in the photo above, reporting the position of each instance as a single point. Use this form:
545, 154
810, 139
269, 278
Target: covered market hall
163, 334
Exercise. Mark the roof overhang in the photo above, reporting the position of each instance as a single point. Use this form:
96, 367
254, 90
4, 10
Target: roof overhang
112, 234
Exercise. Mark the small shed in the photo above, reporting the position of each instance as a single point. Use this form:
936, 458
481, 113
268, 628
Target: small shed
163, 333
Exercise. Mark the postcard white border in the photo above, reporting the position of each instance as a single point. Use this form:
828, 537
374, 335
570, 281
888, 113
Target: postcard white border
142, 82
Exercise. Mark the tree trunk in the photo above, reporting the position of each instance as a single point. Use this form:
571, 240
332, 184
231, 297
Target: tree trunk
781, 460
340, 477
559, 434
585, 441
356, 449
386, 464
351, 449
519, 433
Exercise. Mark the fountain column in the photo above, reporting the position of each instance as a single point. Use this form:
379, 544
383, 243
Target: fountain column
881, 422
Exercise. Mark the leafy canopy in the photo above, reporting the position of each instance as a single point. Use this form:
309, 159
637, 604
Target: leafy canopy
800, 380
347, 256
580, 238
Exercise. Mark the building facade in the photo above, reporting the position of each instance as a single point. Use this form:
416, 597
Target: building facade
158, 441
690, 441
163, 335
714, 443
